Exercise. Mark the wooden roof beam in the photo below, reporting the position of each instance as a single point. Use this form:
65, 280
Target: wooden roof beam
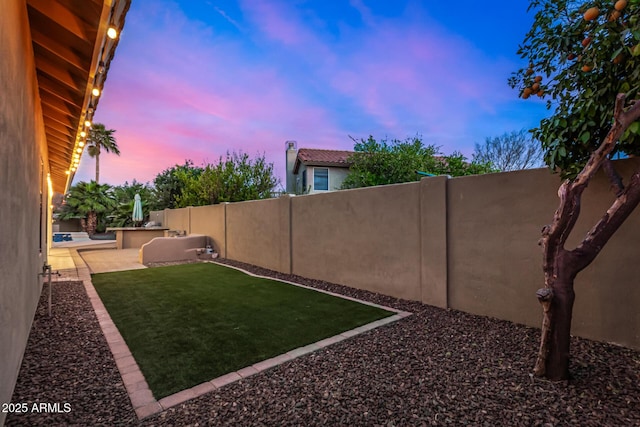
63, 17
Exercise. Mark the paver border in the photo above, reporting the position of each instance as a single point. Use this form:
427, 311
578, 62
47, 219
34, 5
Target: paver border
142, 399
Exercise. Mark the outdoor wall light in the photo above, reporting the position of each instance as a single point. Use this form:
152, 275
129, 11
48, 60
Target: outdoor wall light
79, 150
101, 68
83, 134
112, 33
67, 172
95, 91
81, 143
87, 123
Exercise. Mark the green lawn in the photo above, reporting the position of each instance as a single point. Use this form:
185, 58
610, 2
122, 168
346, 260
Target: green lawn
190, 323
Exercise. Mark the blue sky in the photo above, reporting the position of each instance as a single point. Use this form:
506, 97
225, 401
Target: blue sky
195, 79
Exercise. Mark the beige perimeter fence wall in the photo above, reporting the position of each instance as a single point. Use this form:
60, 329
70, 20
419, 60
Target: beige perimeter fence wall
466, 243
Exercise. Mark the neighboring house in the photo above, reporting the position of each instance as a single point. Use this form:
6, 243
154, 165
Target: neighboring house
311, 170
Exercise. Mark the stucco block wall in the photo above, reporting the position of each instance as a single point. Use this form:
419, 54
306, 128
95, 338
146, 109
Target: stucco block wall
608, 291
495, 264
433, 241
367, 238
494, 224
22, 152
132, 239
177, 219
258, 232
157, 216
467, 243
210, 221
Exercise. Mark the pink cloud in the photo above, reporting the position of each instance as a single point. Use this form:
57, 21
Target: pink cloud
178, 89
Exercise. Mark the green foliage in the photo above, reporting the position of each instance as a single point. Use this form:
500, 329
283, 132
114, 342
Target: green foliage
170, 183
581, 80
389, 162
510, 152
121, 216
89, 201
101, 139
232, 179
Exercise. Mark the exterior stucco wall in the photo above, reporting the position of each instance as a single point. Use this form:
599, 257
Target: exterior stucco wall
494, 226
23, 185
210, 221
336, 177
495, 263
177, 219
258, 232
433, 241
132, 239
467, 243
157, 217
607, 292
365, 238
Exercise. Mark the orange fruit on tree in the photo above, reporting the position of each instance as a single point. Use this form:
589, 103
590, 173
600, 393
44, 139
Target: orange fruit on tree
535, 87
618, 59
541, 93
538, 79
586, 41
620, 5
526, 93
529, 72
571, 56
587, 68
591, 14
614, 15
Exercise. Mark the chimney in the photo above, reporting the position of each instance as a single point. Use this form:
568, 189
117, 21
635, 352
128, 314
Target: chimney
292, 153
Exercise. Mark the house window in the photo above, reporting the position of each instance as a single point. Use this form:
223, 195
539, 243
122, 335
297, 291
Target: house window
304, 181
320, 179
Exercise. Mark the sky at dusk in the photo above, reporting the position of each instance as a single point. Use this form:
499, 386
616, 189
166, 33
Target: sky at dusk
193, 79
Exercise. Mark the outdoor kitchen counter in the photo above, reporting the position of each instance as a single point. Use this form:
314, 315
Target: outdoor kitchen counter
135, 237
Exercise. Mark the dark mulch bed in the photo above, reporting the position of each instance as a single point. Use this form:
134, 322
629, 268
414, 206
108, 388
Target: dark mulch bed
436, 367
67, 360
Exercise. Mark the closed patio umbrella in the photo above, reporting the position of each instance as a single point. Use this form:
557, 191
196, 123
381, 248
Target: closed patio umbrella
137, 209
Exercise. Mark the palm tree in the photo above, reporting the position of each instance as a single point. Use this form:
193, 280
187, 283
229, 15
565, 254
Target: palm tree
100, 139
85, 201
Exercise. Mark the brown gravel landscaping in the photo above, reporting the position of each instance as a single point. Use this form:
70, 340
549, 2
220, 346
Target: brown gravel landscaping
436, 367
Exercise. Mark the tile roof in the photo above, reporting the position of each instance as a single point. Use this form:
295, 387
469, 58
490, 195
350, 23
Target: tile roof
318, 157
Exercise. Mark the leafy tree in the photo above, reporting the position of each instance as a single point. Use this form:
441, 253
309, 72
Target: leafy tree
232, 179
88, 201
170, 183
389, 162
100, 139
124, 196
510, 152
583, 57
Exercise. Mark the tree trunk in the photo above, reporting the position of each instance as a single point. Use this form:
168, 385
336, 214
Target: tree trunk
92, 223
560, 265
98, 166
557, 363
